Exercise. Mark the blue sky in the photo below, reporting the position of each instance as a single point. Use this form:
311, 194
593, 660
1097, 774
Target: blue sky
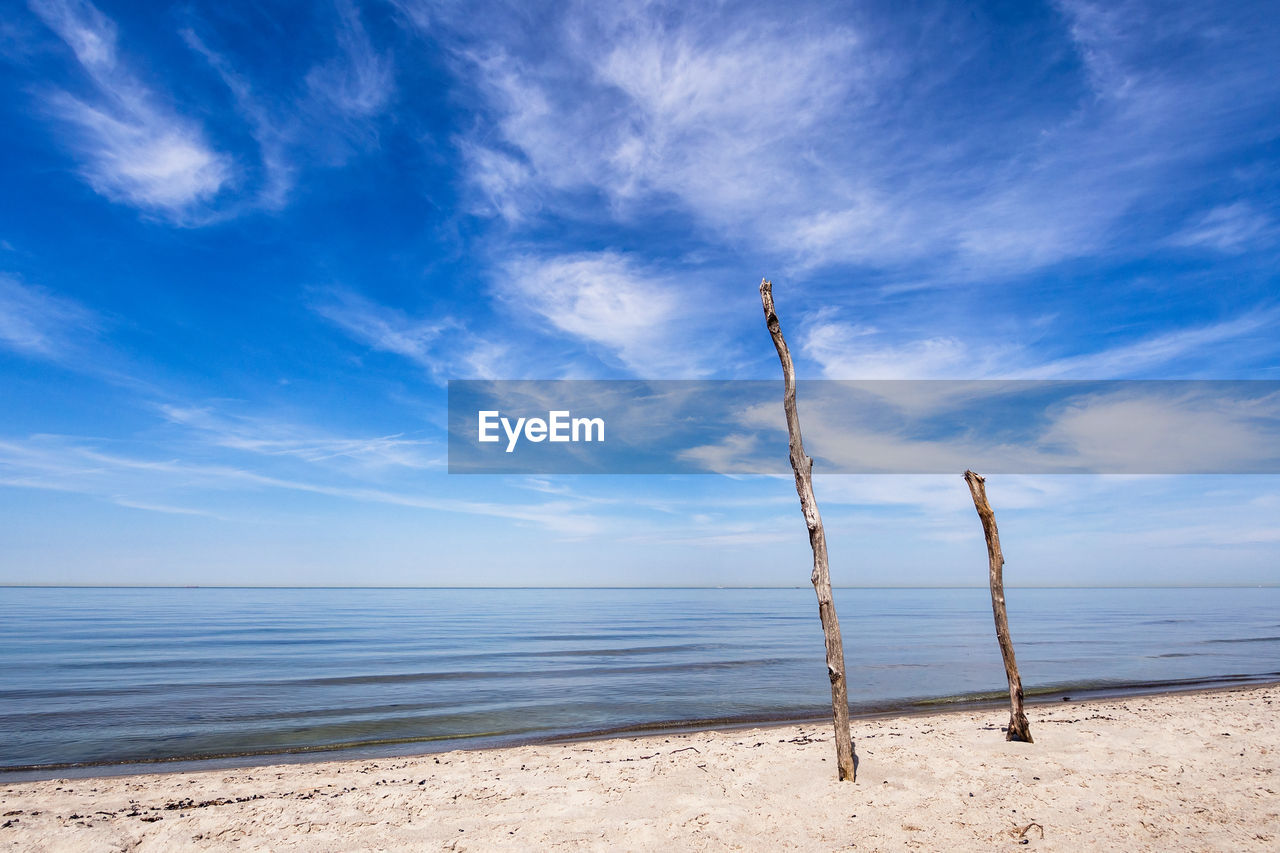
244, 247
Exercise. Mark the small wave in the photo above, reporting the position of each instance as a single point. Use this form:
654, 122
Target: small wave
412, 678
267, 751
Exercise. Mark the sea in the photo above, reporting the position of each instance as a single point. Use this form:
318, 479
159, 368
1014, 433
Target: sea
102, 680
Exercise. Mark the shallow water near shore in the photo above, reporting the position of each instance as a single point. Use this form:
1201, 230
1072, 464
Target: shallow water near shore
103, 676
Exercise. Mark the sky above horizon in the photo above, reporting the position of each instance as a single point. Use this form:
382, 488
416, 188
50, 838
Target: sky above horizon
245, 246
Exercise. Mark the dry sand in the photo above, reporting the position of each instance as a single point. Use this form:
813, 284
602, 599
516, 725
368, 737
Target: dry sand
1191, 771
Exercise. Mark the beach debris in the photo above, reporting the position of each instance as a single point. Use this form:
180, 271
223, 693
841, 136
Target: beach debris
1019, 729
802, 466
1022, 831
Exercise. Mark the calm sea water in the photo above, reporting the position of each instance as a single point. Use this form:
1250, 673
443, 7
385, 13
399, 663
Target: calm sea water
120, 675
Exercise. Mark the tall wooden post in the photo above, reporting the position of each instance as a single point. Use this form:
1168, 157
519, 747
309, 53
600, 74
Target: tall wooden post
802, 465
1019, 728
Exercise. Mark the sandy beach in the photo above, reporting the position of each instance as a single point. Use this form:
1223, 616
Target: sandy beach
1188, 771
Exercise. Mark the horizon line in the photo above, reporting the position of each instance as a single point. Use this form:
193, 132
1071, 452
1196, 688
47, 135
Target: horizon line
572, 586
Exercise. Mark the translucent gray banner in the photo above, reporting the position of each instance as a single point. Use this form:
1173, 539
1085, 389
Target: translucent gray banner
866, 427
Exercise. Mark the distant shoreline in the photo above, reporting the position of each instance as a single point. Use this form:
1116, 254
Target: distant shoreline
869, 711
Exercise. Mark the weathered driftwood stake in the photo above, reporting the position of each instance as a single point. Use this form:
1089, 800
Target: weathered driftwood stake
1019, 728
802, 465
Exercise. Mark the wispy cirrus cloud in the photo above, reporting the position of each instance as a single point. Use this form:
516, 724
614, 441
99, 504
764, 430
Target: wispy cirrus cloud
360, 81
135, 147
632, 313
829, 140
1230, 228
36, 322
182, 486
696, 115
647, 109
273, 135
1213, 347
844, 350
443, 345
332, 113
132, 147
272, 437
382, 328
999, 427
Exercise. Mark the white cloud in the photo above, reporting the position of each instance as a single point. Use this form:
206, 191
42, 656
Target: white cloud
708, 114
165, 509
360, 82
849, 351
1230, 228
500, 179
275, 438
136, 149
384, 328
1160, 353
334, 116
417, 15
132, 148
443, 345
733, 454
34, 321
143, 159
76, 465
273, 135
1137, 432
1116, 428
819, 141
645, 319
